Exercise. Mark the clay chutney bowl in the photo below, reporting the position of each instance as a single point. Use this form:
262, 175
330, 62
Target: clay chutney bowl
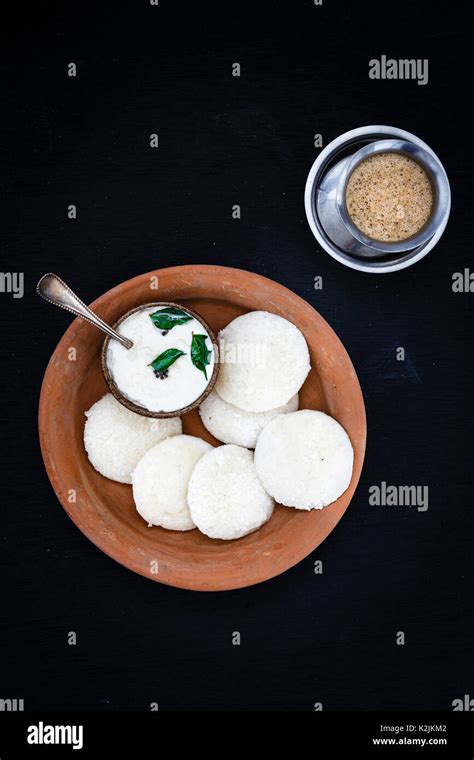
131, 405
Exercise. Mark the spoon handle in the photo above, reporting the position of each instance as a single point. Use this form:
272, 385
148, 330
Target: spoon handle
55, 290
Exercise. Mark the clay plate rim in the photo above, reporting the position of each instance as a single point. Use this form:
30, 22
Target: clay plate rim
113, 388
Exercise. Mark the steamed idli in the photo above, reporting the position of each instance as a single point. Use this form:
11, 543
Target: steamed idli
230, 424
115, 438
225, 496
304, 459
160, 481
264, 361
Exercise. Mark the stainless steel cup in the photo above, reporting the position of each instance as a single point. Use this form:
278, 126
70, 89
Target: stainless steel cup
325, 200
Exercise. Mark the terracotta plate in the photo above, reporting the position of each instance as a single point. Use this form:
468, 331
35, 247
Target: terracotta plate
104, 510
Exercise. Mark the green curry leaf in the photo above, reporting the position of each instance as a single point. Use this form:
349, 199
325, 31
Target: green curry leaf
200, 354
169, 317
166, 359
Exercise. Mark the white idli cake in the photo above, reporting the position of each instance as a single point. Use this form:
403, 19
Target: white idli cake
160, 481
264, 361
230, 424
304, 459
115, 438
225, 496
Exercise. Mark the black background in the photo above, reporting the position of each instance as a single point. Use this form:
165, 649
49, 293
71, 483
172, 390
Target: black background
306, 638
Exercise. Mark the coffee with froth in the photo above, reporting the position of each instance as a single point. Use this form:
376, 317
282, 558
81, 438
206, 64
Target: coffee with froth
389, 197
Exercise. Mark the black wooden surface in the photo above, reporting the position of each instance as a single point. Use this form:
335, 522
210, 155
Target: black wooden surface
306, 638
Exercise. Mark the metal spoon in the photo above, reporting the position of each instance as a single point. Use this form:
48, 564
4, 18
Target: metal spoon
55, 290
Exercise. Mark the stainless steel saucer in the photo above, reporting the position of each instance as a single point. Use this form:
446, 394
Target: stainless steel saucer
325, 200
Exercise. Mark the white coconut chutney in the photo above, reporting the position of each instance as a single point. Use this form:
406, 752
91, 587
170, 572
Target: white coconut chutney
162, 387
